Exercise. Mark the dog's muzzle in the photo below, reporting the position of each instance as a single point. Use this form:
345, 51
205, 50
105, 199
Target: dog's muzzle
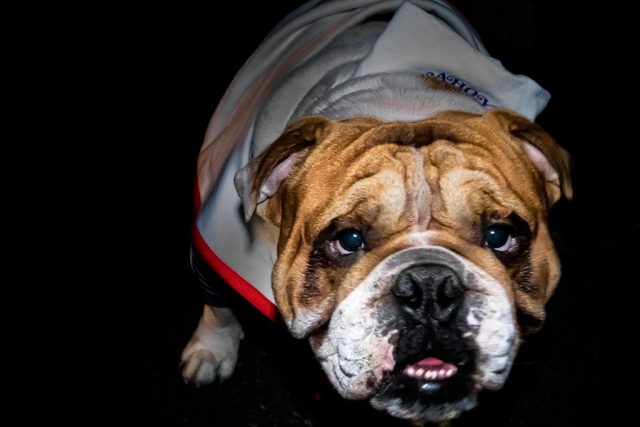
421, 336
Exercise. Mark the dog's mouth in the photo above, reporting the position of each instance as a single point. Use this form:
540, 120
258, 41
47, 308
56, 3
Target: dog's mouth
431, 369
450, 378
433, 387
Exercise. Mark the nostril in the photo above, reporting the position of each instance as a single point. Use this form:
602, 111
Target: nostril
448, 293
407, 289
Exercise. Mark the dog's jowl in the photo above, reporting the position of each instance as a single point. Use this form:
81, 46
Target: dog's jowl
393, 175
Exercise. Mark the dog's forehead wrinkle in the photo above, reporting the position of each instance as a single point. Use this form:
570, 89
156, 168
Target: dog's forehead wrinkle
466, 184
418, 196
505, 172
374, 199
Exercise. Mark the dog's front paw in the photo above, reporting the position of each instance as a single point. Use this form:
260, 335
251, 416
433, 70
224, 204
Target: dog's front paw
212, 351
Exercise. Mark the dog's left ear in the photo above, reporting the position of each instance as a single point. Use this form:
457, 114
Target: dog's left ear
261, 178
553, 161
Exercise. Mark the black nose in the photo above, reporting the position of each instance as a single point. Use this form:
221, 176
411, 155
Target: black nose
431, 289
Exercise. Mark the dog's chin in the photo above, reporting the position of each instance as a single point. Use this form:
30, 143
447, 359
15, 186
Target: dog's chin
430, 389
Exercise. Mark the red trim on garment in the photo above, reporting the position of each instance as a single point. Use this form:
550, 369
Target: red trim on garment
229, 275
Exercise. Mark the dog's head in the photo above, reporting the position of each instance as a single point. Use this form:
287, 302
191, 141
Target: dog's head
414, 256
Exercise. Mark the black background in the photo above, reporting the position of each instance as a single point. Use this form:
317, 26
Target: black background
143, 83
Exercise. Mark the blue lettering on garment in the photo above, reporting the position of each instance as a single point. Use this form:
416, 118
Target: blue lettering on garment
462, 85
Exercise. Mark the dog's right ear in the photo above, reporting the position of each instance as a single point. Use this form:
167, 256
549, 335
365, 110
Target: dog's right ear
263, 176
552, 161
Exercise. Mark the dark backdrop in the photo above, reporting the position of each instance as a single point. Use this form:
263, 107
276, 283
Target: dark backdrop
145, 82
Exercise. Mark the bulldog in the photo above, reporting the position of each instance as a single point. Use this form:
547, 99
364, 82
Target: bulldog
405, 210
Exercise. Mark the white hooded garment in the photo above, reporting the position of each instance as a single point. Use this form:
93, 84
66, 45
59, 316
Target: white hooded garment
312, 63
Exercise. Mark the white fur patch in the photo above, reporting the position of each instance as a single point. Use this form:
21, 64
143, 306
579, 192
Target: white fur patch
492, 315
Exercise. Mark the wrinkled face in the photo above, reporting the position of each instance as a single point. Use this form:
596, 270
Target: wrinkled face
414, 258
